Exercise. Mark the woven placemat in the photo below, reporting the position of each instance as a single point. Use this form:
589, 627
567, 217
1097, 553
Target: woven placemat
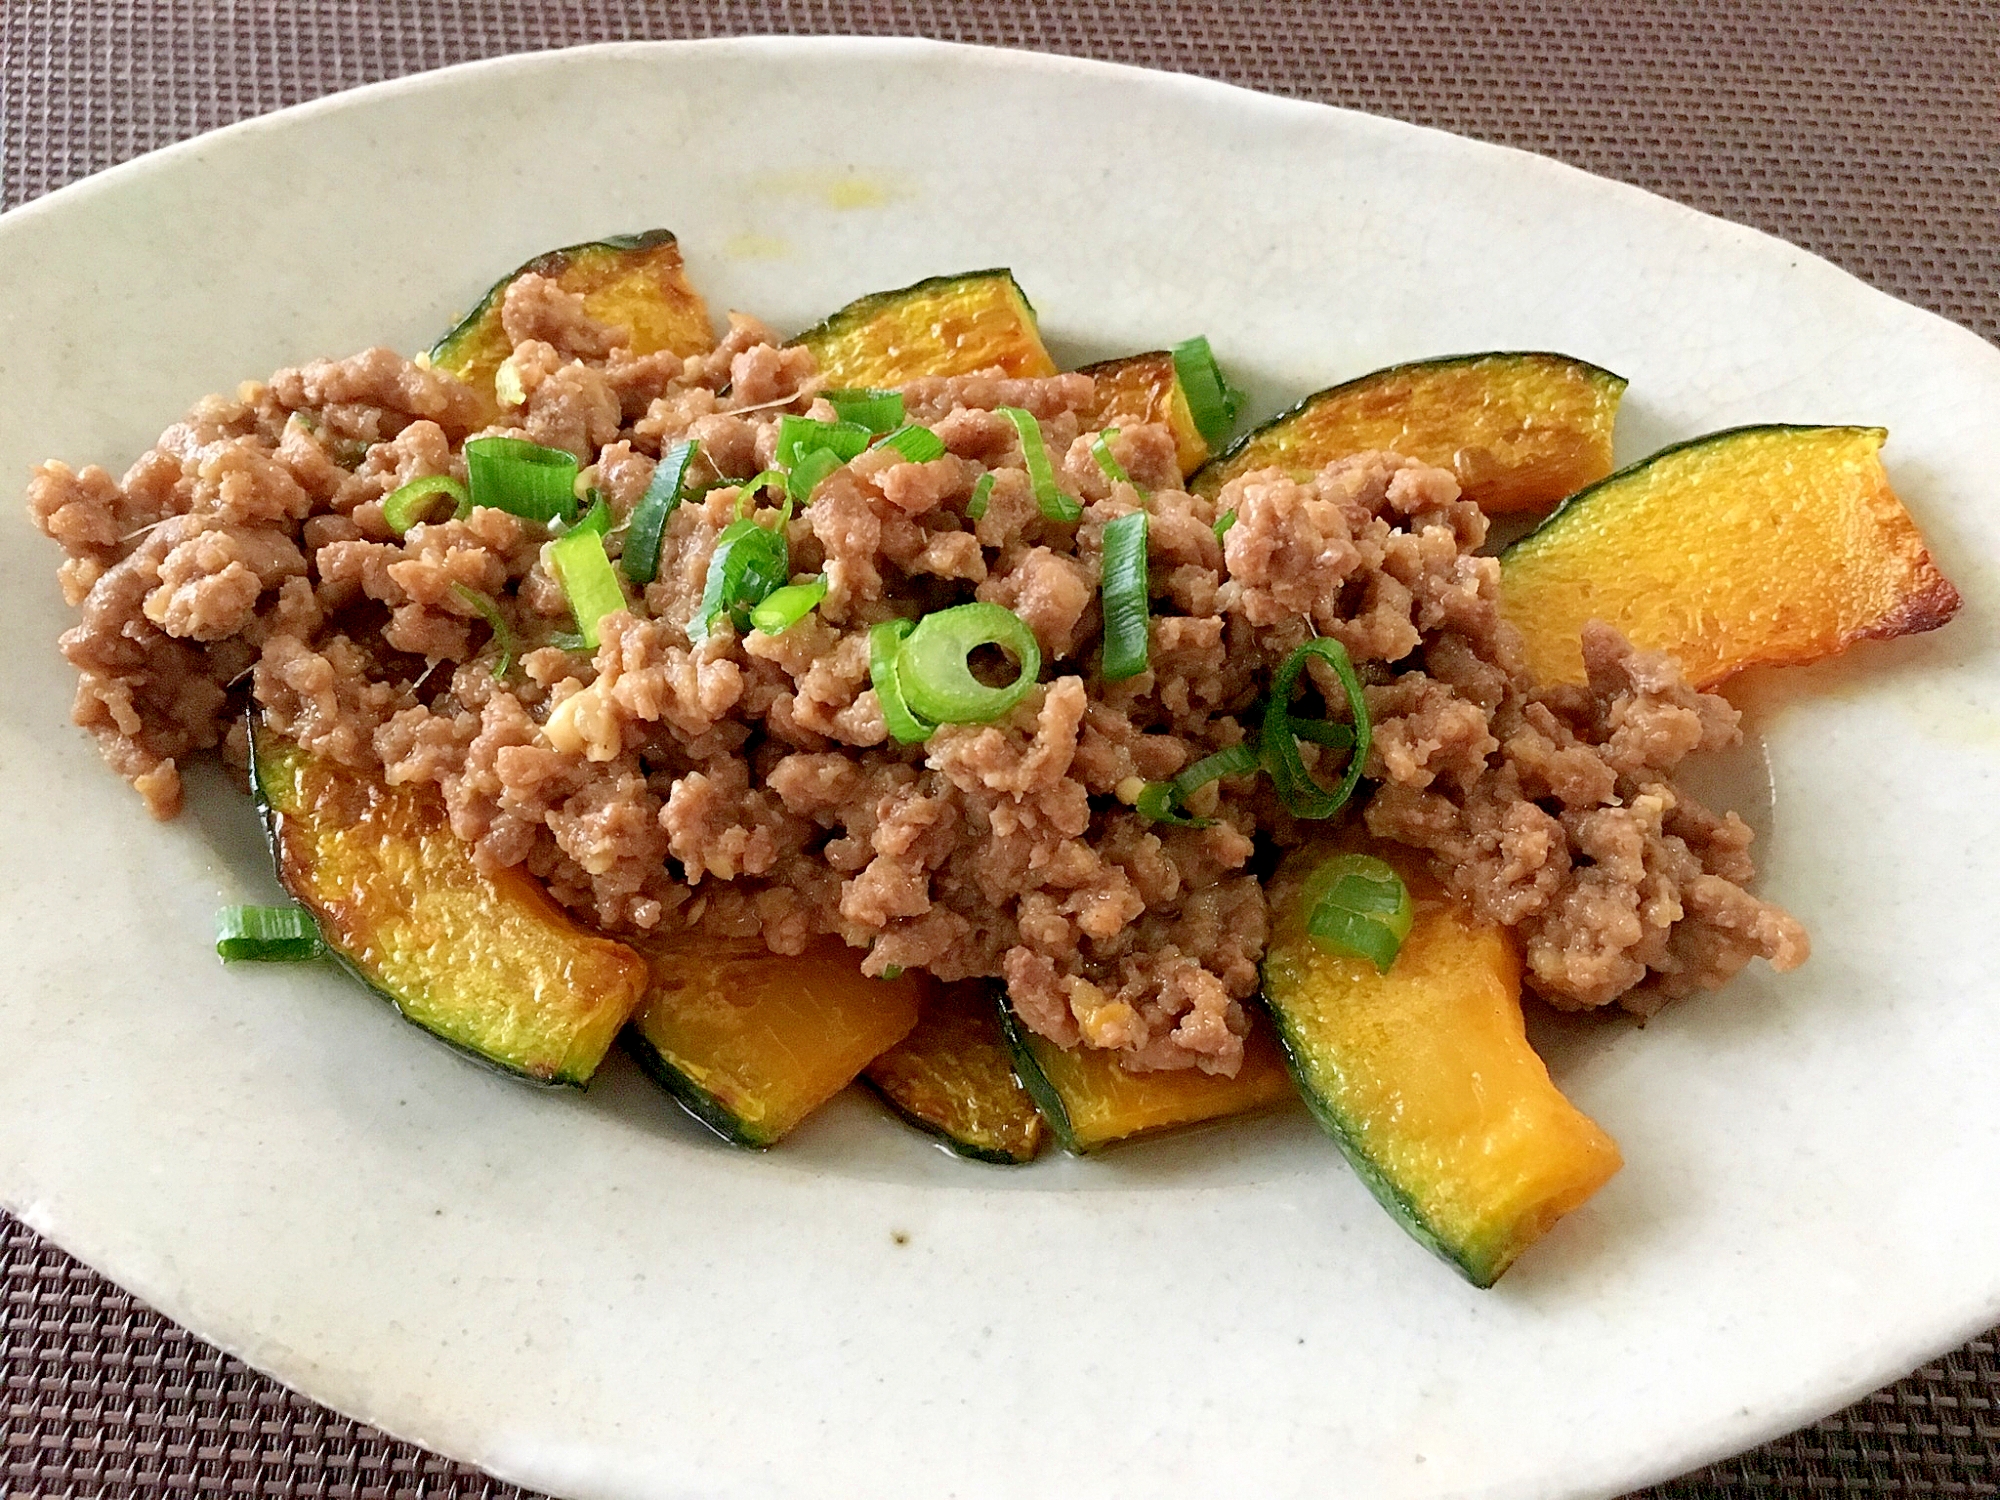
1869, 133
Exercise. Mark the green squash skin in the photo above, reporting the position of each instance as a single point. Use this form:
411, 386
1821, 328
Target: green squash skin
1473, 1262
863, 308
957, 1145
1036, 1082
691, 1097
1548, 530
546, 263
1299, 408
272, 822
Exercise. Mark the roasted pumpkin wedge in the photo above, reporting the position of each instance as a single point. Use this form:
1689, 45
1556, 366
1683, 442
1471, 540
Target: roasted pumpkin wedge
947, 325
1520, 431
953, 1077
1755, 546
1147, 388
489, 962
1090, 1101
1424, 1075
630, 281
752, 1042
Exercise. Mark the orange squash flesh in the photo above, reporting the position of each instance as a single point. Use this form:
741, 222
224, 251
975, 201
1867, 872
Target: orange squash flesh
1092, 1102
634, 282
1146, 388
752, 1042
489, 962
1520, 431
1425, 1077
1756, 546
952, 1076
947, 325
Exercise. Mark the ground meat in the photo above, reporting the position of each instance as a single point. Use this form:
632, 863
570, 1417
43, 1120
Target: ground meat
695, 773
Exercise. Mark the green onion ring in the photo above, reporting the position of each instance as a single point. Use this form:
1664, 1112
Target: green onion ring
581, 566
878, 411
522, 478
1162, 801
503, 633
812, 467
783, 608
598, 517
1035, 458
938, 684
418, 501
1212, 401
798, 436
750, 562
641, 556
1305, 797
1127, 599
885, 644
982, 496
1223, 522
1100, 449
267, 934
915, 442
1357, 905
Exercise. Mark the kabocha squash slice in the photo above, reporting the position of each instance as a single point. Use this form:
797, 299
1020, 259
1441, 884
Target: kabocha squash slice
1754, 546
631, 281
751, 1042
954, 1077
1091, 1102
1519, 430
1424, 1075
488, 962
946, 325
1147, 388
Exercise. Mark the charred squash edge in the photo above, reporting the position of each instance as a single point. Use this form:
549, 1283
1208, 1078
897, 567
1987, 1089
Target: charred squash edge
955, 1144
1214, 474
546, 263
271, 821
691, 1097
1932, 606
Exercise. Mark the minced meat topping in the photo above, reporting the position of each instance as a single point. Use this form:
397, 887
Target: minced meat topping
747, 786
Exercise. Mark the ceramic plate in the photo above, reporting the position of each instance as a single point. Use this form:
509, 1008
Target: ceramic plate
586, 1294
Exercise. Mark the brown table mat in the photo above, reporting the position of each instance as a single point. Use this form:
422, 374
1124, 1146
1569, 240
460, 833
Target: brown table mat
1869, 133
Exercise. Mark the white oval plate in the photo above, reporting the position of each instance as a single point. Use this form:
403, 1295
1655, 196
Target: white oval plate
586, 1294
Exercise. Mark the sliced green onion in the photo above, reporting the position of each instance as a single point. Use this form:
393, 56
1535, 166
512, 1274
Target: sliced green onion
750, 563
1212, 401
1164, 801
503, 633
915, 442
783, 608
567, 640
1127, 616
598, 517
641, 556
798, 436
891, 972
937, 681
420, 500
588, 581
1223, 522
885, 644
522, 478
1054, 503
807, 473
1100, 449
267, 934
1305, 797
747, 490
982, 496
878, 411
1358, 905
